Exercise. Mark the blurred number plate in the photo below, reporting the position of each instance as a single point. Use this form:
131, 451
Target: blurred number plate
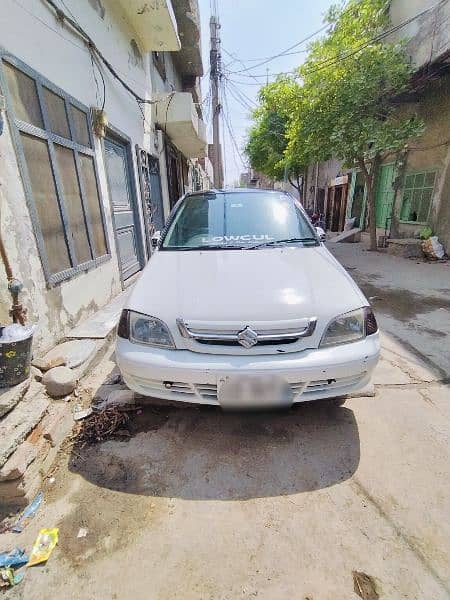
244, 392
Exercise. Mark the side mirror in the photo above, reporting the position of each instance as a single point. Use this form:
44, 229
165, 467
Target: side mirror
321, 233
155, 240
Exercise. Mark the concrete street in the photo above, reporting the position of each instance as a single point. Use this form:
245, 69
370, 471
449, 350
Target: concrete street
198, 504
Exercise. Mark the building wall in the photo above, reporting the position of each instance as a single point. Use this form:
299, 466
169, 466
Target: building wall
432, 152
31, 33
428, 36
328, 170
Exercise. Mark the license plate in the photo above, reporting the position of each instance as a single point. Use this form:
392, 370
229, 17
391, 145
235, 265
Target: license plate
258, 392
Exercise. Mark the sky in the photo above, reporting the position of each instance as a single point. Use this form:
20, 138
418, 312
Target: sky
253, 29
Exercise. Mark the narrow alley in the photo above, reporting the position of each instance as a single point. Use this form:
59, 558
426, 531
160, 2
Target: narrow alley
225, 300
197, 503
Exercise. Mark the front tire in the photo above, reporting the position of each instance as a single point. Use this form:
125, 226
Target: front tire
338, 401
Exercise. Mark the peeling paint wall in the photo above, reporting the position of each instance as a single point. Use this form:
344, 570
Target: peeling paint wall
427, 36
432, 152
60, 56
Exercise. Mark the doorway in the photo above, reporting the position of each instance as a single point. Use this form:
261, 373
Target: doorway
384, 195
122, 192
150, 180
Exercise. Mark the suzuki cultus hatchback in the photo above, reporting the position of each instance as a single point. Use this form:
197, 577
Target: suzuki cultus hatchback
242, 306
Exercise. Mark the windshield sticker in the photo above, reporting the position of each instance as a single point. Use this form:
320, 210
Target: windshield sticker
237, 205
245, 239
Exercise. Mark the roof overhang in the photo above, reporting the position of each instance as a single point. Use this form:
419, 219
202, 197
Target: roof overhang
176, 115
154, 22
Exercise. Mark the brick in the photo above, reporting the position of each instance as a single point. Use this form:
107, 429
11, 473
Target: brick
15, 427
17, 464
57, 424
11, 396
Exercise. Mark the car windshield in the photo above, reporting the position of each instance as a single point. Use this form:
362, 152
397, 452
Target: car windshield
237, 220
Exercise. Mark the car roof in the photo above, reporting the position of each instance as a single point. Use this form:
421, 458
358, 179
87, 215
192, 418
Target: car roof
237, 191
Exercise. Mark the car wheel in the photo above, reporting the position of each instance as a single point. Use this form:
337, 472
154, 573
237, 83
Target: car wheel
338, 401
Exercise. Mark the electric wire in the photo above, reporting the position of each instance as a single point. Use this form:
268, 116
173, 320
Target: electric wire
64, 18
343, 56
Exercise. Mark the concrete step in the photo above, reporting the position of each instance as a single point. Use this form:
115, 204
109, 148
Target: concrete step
350, 236
16, 425
100, 324
11, 396
406, 247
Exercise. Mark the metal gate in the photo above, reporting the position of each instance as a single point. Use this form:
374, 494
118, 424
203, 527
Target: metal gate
150, 180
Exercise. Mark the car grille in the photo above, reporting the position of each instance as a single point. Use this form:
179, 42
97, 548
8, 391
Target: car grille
248, 337
273, 342
206, 393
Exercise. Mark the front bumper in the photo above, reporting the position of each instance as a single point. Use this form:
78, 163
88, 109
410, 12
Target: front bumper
193, 377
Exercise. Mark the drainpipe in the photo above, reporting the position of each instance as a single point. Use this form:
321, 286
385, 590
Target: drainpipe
17, 312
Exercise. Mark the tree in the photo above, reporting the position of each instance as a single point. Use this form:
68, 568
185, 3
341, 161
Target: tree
267, 141
343, 104
351, 79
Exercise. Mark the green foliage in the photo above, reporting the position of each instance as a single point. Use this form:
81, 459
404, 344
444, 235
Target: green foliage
267, 141
341, 104
425, 233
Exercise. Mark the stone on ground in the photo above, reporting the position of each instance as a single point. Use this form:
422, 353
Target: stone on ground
73, 353
59, 381
118, 397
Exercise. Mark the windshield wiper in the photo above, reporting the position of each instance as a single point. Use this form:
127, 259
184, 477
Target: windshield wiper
286, 241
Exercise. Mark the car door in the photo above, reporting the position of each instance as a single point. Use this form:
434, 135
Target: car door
124, 206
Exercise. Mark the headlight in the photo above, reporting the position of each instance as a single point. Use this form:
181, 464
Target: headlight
142, 329
350, 327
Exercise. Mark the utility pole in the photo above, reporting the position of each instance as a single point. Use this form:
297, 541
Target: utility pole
216, 73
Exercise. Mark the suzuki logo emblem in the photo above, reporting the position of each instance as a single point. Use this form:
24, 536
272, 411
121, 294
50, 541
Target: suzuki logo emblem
247, 337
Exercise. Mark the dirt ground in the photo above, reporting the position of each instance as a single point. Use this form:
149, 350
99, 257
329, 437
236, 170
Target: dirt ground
200, 504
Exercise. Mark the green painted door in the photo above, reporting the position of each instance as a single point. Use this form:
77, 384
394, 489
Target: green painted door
384, 195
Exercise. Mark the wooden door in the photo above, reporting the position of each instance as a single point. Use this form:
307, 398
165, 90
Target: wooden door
384, 195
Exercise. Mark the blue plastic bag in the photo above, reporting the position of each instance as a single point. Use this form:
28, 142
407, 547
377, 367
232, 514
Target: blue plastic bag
14, 558
28, 514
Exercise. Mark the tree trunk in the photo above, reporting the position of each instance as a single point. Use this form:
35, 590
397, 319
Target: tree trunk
370, 178
372, 215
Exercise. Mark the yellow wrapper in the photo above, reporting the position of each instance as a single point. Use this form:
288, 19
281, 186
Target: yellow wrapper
43, 546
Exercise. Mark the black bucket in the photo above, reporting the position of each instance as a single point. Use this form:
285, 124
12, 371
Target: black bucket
15, 361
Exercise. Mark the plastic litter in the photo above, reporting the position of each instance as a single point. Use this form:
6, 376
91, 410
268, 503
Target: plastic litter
432, 248
28, 514
14, 558
82, 532
43, 546
8, 578
78, 415
16, 333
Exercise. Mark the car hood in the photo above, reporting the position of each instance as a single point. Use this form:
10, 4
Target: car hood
245, 286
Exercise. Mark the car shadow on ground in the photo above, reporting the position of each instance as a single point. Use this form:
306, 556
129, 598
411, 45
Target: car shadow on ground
202, 453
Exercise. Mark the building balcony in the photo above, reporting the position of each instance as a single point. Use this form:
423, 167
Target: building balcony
154, 22
177, 116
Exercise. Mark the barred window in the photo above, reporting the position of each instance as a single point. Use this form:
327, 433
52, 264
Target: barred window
417, 196
55, 151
